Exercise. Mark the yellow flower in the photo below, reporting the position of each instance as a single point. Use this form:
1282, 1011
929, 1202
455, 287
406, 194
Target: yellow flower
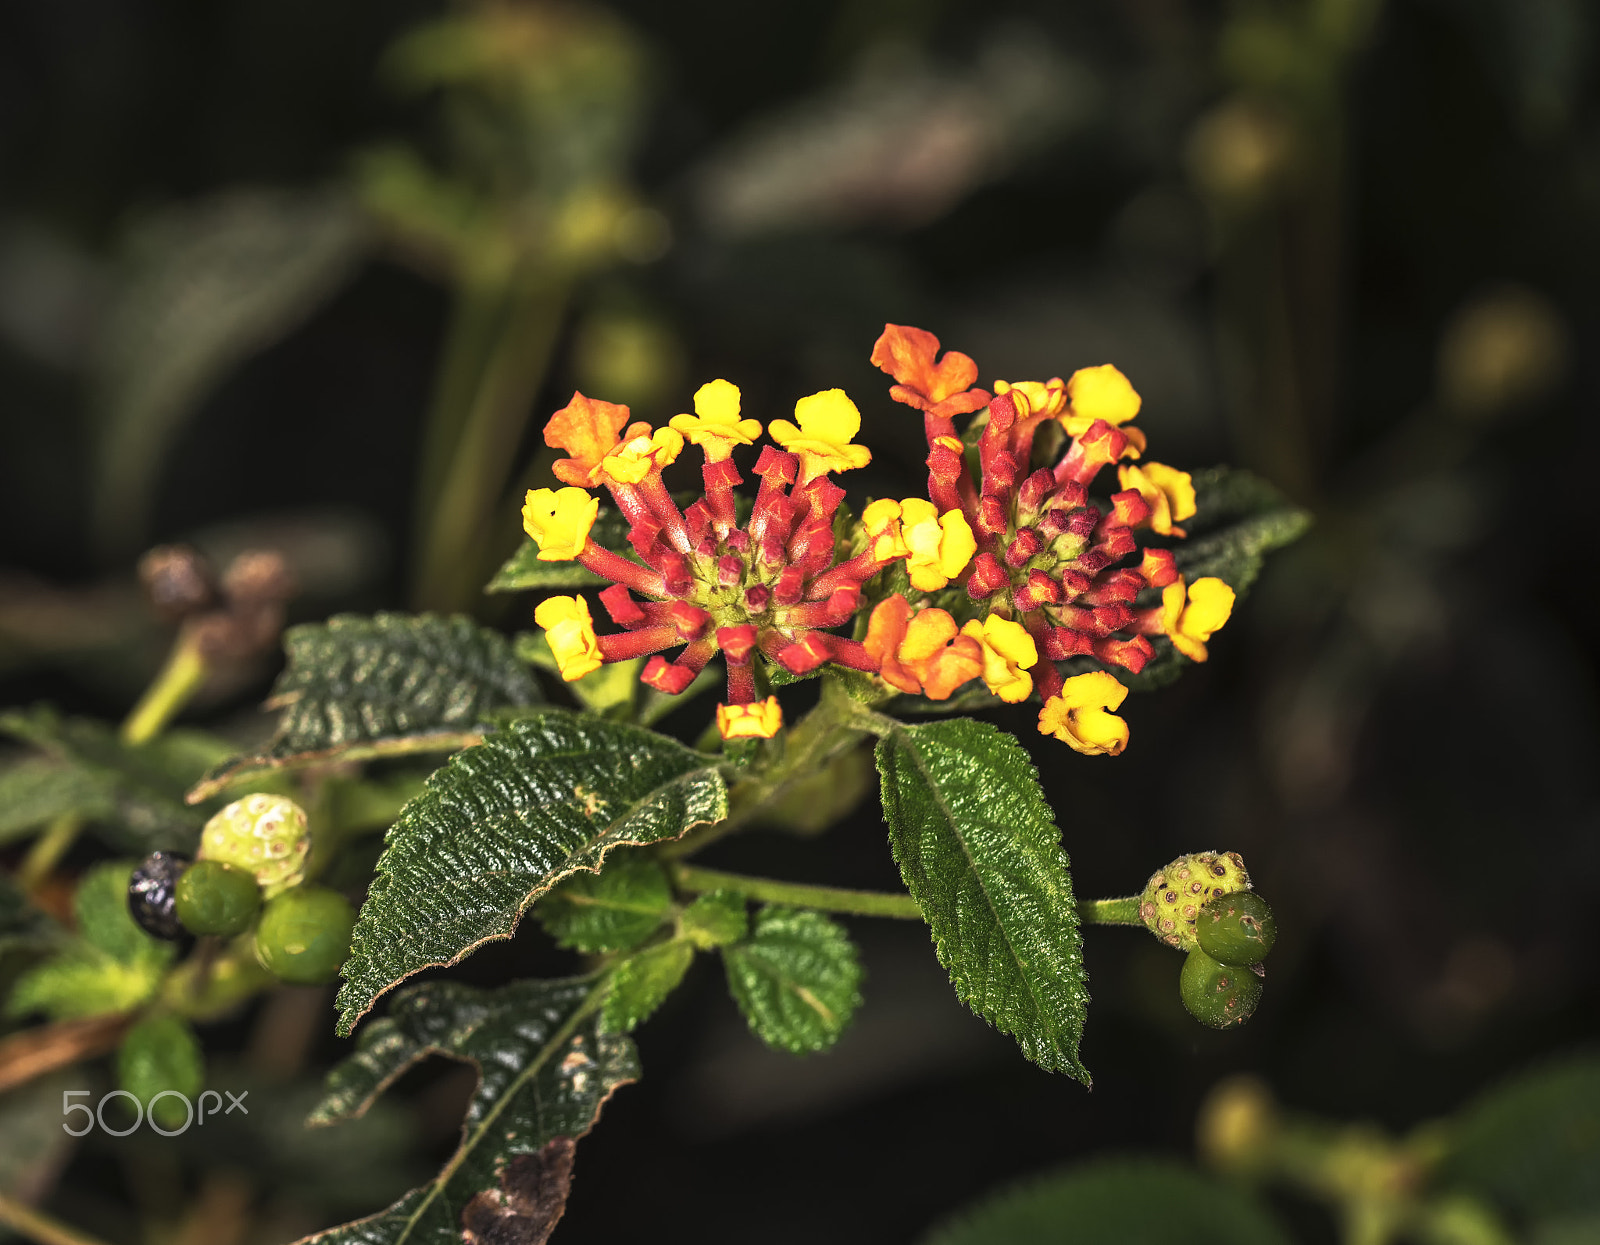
1099, 393
570, 633
1008, 653
559, 519
940, 545
757, 720
1168, 492
1036, 397
828, 421
715, 425
1079, 715
1190, 617
640, 453
881, 522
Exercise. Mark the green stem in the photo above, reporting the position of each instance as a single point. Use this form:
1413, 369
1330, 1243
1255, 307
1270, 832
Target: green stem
824, 898
1124, 911
182, 676
36, 1226
48, 849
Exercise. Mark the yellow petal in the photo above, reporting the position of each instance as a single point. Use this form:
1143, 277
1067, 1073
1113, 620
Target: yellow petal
559, 520
569, 630
1102, 393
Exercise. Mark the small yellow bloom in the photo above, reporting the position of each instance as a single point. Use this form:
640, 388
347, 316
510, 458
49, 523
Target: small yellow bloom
1034, 397
828, 421
570, 633
640, 453
1099, 393
881, 522
940, 545
1008, 654
757, 720
559, 519
1191, 616
1168, 492
1079, 715
715, 425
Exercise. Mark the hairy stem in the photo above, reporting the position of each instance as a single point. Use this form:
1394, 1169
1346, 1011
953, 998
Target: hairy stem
48, 849
36, 1226
823, 898
1124, 911
182, 676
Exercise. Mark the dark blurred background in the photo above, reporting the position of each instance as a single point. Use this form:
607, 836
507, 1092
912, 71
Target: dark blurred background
1349, 244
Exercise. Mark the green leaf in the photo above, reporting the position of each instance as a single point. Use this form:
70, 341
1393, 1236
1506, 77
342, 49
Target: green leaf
111, 966
613, 910
981, 854
140, 805
158, 1055
502, 823
1533, 1145
545, 1070
796, 979
641, 983
1117, 1202
21, 924
209, 284
1239, 518
35, 791
523, 570
715, 920
359, 687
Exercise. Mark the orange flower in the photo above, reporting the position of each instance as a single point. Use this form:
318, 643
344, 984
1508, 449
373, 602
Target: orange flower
922, 652
588, 429
943, 388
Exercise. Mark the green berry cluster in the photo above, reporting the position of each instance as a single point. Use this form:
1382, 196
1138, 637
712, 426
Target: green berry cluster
250, 875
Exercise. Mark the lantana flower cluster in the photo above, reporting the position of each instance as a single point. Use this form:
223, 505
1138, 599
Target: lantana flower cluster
1045, 573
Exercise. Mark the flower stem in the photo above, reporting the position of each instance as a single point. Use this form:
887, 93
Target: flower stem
47, 850
824, 898
1124, 911
179, 680
36, 1226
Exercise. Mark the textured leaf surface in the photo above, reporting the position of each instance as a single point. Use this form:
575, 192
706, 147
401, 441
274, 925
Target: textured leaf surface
1533, 1145
111, 966
613, 910
1116, 1203
138, 802
544, 1073
36, 791
981, 854
641, 983
502, 823
390, 684
796, 978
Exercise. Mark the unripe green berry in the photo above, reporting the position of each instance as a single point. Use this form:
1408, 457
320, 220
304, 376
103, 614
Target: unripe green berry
1173, 897
304, 935
214, 898
1237, 928
1219, 995
264, 834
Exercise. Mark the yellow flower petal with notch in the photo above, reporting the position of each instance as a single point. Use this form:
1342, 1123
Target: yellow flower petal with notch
1079, 715
569, 630
1036, 397
940, 545
1099, 393
881, 522
1008, 654
828, 422
640, 453
758, 720
715, 425
1192, 614
559, 520
1168, 492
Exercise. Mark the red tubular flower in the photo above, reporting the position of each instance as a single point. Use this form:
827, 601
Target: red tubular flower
1046, 557
775, 585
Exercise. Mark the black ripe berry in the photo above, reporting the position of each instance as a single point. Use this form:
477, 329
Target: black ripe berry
153, 893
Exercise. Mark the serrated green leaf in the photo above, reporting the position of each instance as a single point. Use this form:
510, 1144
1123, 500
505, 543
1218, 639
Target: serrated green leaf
1239, 518
544, 1070
161, 1055
523, 570
502, 823
1115, 1202
1533, 1145
359, 687
715, 920
140, 806
614, 910
641, 983
35, 791
980, 853
111, 966
796, 979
